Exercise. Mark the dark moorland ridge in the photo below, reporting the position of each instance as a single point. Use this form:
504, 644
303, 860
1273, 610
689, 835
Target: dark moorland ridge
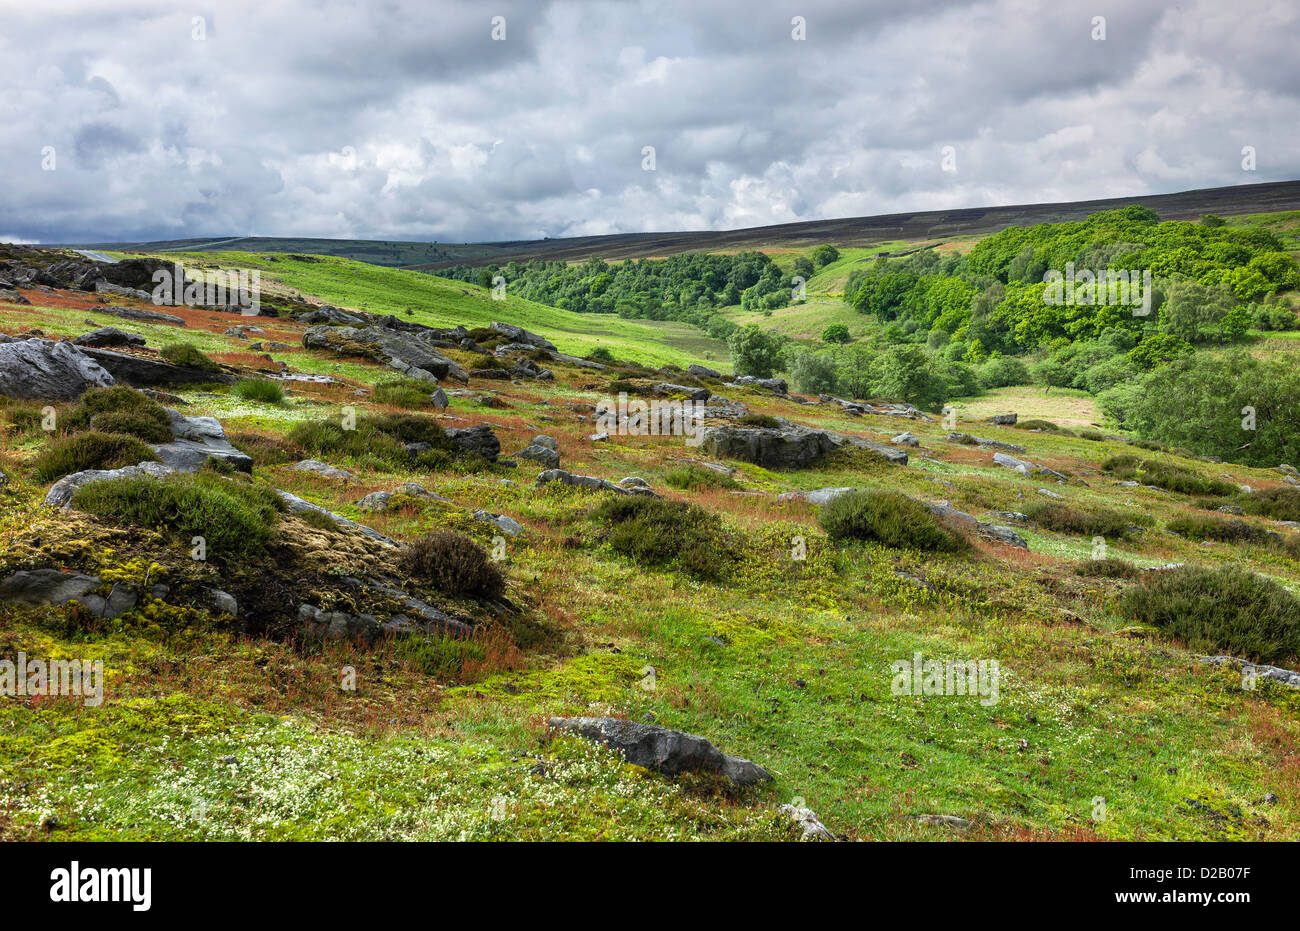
850, 231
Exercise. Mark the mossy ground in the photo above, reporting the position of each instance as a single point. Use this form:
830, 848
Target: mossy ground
786, 661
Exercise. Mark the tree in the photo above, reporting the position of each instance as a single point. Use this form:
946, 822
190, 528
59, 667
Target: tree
756, 351
804, 266
824, 255
814, 372
906, 373
1191, 308
836, 333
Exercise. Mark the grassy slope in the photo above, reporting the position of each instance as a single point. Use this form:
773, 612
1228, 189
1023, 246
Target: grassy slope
441, 302
802, 685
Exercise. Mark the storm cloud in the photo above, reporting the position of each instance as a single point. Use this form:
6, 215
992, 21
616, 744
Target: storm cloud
416, 120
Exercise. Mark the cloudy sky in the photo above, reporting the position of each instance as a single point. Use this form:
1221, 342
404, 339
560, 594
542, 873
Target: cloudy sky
409, 120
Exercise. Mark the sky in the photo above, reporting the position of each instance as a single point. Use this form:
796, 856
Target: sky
518, 119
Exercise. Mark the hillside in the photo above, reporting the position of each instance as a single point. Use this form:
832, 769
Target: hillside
351, 686
850, 231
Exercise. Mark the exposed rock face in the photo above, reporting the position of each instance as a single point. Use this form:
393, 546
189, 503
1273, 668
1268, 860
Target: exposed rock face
702, 371
507, 525
108, 336
320, 468
967, 440
50, 587
774, 385
786, 447
140, 371
906, 439
662, 750
517, 334
808, 823
380, 501
477, 439
197, 438
1004, 420
297, 506
1024, 466
888, 453
995, 532
818, 496
328, 313
1258, 670
37, 369
589, 482
403, 351
548, 457
61, 492
691, 394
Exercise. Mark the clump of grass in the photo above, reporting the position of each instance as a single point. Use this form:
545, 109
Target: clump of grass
188, 356
120, 409
318, 519
453, 564
440, 656
759, 420
1107, 568
1219, 610
90, 450
265, 450
235, 518
263, 390
695, 478
1223, 530
1095, 436
1045, 426
23, 415
378, 441
403, 392
887, 517
1166, 475
655, 532
1274, 503
1088, 522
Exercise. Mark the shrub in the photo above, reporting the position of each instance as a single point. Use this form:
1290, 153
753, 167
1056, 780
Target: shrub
1046, 426
1206, 527
1219, 610
259, 389
1275, 503
1165, 475
187, 355
1003, 372
403, 392
265, 450
90, 450
696, 478
22, 414
120, 409
378, 440
1095, 436
453, 564
1088, 522
655, 532
887, 517
759, 420
600, 354
439, 656
236, 518
1108, 568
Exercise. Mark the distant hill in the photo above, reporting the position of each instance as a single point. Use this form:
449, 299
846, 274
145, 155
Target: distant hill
851, 231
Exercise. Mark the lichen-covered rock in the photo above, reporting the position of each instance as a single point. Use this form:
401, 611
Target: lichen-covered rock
517, 334
61, 492
323, 469
196, 439
108, 336
38, 369
400, 350
661, 749
786, 447
477, 439
53, 587
548, 457
590, 482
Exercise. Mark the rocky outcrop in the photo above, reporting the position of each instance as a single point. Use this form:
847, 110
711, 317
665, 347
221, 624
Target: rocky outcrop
297, 505
818, 496
142, 371
789, 446
108, 336
400, 350
590, 482
774, 385
323, 470
517, 334
702, 371
1003, 420
661, 749
196, 440
38, 369
1024, 466
61, 492
52, 587
1258, 670
476, 439
967, 440
888, 453
995, 532
548, 457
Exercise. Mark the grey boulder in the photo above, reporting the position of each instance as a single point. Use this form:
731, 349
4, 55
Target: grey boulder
32, 369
